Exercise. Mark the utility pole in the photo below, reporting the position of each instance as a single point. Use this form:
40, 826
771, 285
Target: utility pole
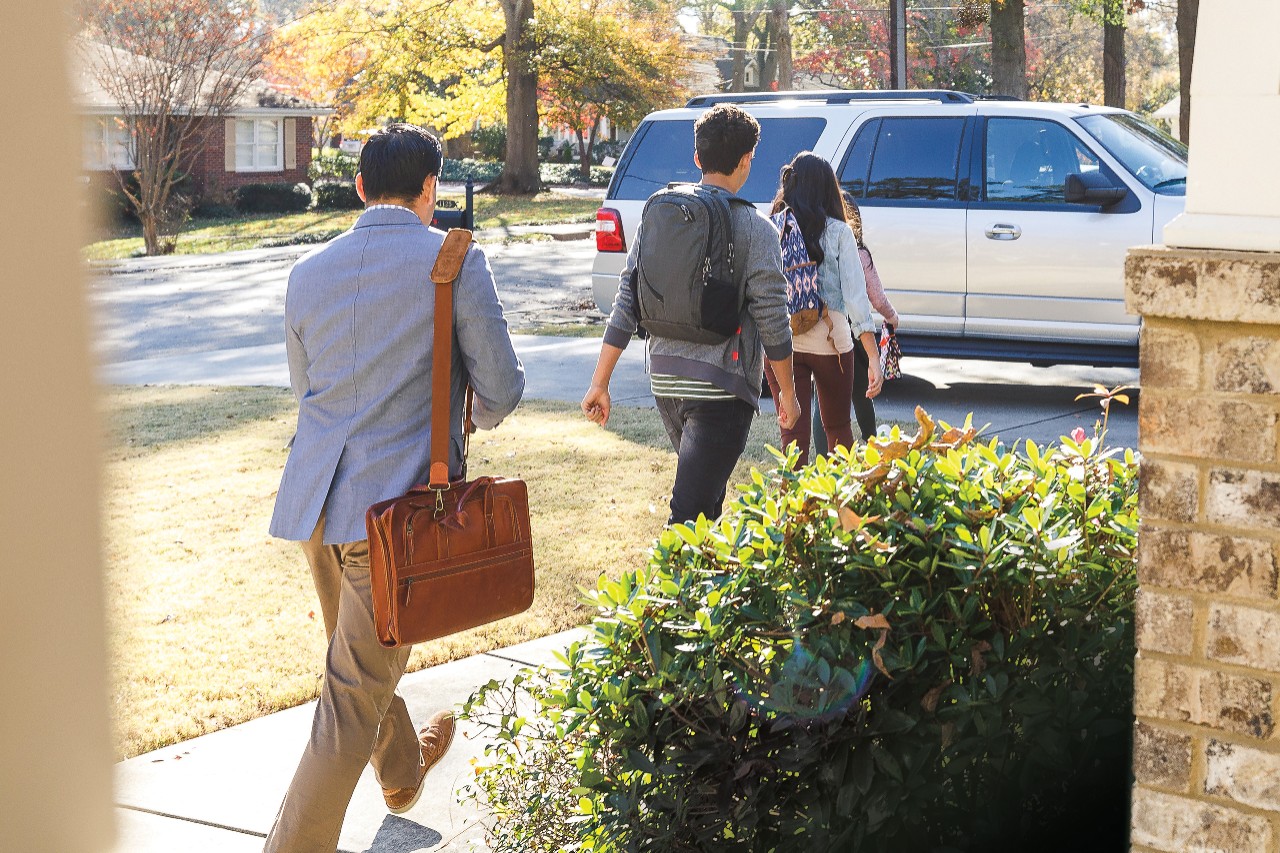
898, 44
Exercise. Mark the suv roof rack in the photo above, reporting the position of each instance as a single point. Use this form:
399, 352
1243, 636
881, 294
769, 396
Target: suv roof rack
834, 96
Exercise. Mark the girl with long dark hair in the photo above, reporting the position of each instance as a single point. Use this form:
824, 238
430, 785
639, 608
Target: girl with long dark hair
824, 355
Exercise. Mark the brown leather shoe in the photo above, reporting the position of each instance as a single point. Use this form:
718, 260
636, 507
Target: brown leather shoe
434, 740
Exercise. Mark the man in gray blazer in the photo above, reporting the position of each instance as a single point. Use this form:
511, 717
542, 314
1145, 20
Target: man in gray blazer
359, 336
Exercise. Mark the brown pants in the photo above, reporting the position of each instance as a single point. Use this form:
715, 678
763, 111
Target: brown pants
833, 374
360, 719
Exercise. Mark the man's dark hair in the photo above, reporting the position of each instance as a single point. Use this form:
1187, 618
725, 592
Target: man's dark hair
722, 135
396, 160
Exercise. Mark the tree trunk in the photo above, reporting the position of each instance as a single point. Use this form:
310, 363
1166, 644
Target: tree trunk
767, 56
781, 26
1188, 13
1113, 73
520, 171
1008, 48
738, 82
150, 232
585, 146
744, 21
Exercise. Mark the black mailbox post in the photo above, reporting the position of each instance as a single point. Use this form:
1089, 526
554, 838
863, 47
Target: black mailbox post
449, 215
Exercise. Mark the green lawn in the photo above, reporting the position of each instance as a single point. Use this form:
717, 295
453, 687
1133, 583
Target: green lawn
213, 622
252, 231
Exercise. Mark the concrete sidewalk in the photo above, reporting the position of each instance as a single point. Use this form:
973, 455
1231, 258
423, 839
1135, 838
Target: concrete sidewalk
219, 793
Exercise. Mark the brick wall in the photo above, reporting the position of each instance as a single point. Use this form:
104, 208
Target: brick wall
214, 179
1206, 744
208, 168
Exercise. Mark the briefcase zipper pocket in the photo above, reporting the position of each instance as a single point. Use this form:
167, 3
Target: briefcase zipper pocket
499, 554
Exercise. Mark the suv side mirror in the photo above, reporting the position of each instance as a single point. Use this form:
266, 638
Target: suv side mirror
1092, 188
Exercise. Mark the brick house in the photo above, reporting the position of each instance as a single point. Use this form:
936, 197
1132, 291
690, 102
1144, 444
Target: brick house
265, 137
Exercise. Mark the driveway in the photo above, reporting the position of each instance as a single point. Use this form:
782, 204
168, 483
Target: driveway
217, 319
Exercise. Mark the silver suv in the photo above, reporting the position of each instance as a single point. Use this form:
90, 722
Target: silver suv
999, 227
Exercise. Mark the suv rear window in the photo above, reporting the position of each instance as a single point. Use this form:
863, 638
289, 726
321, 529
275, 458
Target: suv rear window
663, 152
905, 158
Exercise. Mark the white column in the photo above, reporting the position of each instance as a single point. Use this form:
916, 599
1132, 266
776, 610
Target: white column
1233, 186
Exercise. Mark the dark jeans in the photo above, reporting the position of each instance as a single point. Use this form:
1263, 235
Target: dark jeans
863, 409
709, 437
831, 377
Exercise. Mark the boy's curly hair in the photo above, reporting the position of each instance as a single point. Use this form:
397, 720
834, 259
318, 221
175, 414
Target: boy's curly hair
722, 135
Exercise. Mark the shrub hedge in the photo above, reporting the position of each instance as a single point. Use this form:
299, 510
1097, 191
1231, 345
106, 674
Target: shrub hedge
336, 195
921, 644
280, 197
570, 173
480, 171
332, 163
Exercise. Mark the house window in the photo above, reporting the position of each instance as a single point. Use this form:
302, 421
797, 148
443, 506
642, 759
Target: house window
259, 145
107, 145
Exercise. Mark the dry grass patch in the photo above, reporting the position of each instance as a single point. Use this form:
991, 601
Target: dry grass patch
213, 622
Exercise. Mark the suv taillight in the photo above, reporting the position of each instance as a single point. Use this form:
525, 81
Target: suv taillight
609, 236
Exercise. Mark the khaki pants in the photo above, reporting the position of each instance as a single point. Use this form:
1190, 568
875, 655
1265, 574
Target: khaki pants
360, 719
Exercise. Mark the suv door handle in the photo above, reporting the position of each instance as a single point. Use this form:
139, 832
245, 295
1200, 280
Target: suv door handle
1004, 232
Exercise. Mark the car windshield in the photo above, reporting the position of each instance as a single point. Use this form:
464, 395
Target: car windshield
1154, 157
663, 152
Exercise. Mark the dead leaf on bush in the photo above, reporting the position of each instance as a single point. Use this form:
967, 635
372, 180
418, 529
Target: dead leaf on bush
890, 450
930, 700
876, 622
873, 477
850, 520
926, 429
837, 617
978, 662
953, 438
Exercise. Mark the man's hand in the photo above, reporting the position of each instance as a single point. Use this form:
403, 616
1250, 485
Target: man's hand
788, 410
595, 405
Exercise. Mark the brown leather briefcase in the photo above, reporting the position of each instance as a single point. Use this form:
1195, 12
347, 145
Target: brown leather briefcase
448, 556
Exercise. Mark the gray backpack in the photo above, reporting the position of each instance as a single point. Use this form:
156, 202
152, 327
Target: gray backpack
686, 286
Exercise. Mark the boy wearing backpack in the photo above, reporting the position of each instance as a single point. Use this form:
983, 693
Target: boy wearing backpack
704, 277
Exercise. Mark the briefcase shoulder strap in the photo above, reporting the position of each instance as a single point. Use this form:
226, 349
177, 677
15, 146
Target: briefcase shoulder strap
446, 269
454, 251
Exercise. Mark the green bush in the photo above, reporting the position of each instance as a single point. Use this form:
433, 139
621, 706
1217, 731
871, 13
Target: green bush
490, 142
480, 171
336, 195
570, 173
923, 644
273, 198
332, 163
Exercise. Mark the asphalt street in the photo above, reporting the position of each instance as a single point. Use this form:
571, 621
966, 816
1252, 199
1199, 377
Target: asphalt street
218, 319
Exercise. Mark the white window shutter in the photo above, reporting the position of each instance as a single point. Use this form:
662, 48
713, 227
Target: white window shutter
229, 145
291, 143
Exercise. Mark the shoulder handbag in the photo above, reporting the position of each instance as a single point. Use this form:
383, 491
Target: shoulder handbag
890, 354
448, 556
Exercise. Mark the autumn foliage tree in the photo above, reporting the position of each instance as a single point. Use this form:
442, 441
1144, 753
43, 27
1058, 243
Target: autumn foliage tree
321, 57
846, 44
600, 60
170, 65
